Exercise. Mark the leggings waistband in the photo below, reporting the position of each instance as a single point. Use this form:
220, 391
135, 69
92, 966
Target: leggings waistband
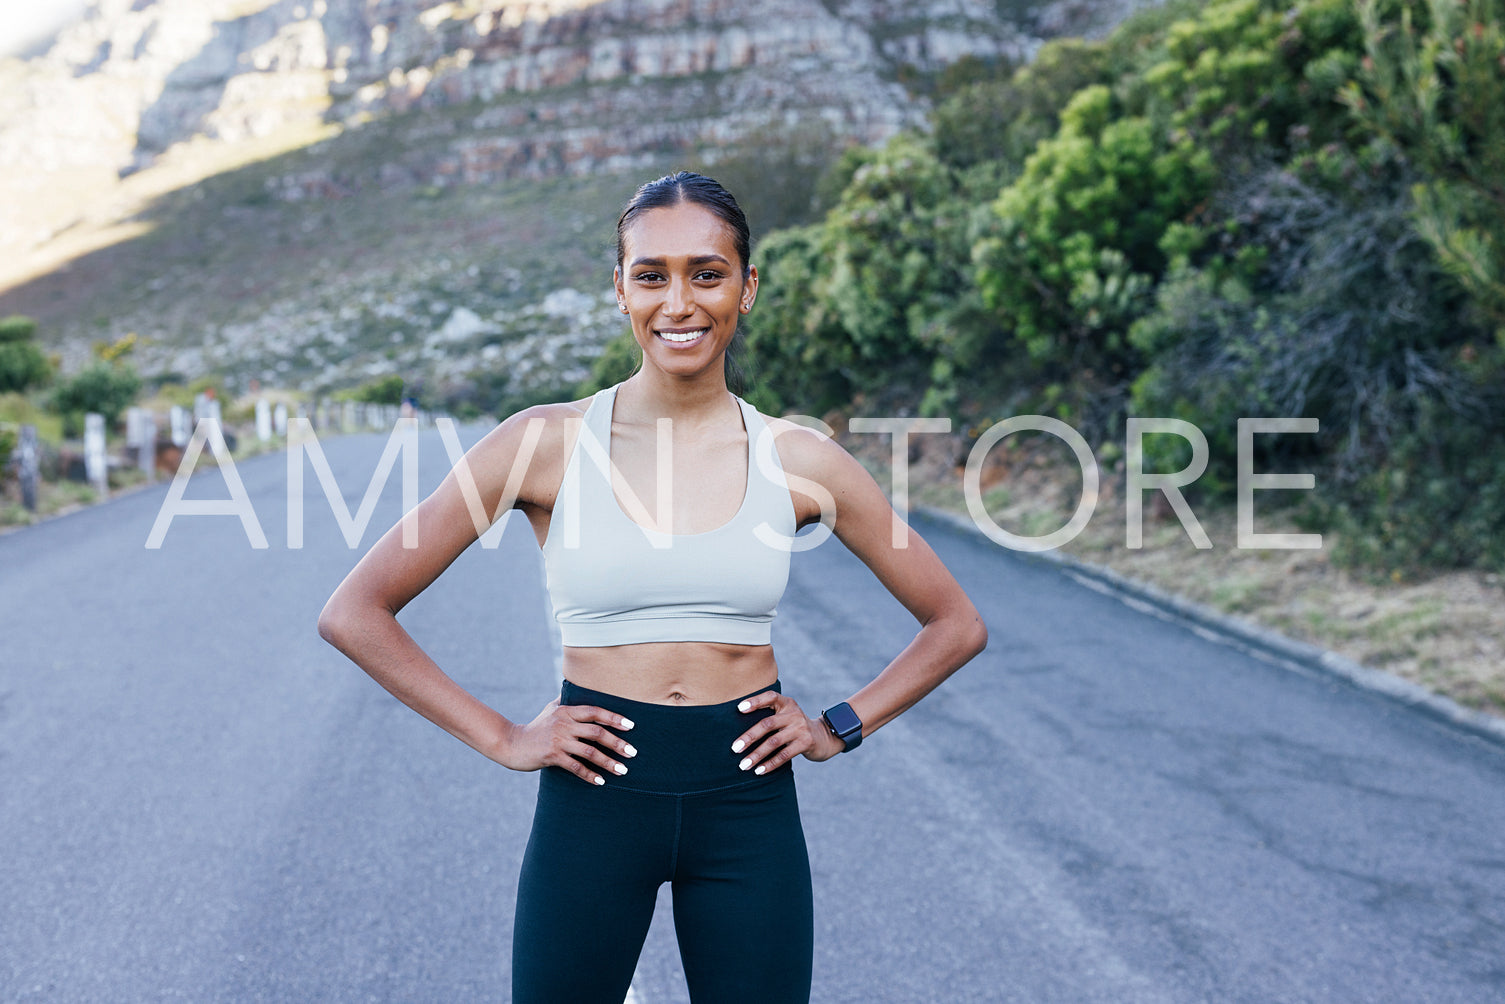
682, 749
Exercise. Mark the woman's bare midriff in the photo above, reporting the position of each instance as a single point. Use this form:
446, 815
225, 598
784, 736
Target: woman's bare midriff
673, 672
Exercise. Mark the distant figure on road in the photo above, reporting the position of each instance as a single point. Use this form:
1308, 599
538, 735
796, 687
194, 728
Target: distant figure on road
665, 506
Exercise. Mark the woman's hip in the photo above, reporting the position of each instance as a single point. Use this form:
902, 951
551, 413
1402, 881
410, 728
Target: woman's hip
681, 749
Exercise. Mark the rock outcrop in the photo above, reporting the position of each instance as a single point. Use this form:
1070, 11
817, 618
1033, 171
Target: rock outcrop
531, 88
141, 98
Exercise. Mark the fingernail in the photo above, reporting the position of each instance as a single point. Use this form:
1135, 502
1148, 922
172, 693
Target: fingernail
759, 770
629, 750
737, 746
620, 768
627, 723
744, 706
745, 764
599, 780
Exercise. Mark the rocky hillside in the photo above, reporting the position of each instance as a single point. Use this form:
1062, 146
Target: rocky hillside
398, 124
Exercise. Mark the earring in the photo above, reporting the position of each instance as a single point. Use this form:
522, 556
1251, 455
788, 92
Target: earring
622, 306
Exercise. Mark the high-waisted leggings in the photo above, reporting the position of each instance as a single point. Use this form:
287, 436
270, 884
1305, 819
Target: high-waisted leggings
729, 842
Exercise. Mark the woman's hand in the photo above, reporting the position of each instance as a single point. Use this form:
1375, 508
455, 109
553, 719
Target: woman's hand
775, 739
561, 736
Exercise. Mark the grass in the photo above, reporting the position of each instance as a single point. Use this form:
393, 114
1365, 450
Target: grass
54, 498
1444, 631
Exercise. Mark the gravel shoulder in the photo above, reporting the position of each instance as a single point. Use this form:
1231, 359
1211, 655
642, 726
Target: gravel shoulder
1444, 632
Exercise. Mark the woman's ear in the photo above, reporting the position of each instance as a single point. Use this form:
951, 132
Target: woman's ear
616, 281
749, 289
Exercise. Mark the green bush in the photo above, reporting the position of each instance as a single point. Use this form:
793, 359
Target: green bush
1433, 83
383, 390
22, 363
998, 122
1437, 502
17, 328
801, 353
102, 387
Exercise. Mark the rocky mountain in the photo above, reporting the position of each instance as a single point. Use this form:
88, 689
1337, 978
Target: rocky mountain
383, 102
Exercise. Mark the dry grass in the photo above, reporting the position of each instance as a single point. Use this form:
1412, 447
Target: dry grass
1445, 632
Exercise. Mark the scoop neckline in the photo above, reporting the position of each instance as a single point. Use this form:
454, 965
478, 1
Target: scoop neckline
747, 484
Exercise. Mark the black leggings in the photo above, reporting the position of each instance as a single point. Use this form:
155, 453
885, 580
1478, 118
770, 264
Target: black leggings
730, 842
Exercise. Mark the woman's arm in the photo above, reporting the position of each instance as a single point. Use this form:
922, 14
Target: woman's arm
951, 631
515, 462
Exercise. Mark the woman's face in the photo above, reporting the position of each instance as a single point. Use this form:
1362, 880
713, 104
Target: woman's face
681, 283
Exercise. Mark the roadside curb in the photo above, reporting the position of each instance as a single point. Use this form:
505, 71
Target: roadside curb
1258, 640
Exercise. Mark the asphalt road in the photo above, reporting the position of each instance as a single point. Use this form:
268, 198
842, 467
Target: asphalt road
201, 800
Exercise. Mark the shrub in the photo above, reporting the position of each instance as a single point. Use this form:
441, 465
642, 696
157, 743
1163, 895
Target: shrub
102, 387
22, 364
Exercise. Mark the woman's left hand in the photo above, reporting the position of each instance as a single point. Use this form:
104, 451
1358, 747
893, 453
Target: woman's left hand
775, 739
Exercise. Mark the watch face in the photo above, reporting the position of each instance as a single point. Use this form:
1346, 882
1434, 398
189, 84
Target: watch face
843, 719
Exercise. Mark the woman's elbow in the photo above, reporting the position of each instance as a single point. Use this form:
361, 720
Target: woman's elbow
331, 623
971, 632
977, 637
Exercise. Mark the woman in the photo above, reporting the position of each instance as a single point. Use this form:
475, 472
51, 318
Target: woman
665, 507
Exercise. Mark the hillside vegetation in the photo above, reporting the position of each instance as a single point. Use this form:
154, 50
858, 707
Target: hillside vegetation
1241, 208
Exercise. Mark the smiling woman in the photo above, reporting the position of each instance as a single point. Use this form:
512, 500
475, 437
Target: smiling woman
686, 266
666, 508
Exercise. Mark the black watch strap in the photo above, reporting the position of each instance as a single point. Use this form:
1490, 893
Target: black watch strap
843, 721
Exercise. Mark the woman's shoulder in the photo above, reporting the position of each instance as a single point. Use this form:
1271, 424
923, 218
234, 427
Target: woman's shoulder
553, 412
808, 451
539, 429
556, 415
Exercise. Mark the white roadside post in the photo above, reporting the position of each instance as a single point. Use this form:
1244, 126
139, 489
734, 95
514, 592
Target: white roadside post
177, 420
145, 432
263, 420
29, 467
95, 464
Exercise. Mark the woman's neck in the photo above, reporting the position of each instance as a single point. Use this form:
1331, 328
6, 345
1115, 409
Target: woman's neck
698, 401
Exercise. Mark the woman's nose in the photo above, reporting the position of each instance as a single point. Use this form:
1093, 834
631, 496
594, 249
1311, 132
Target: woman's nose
679, 299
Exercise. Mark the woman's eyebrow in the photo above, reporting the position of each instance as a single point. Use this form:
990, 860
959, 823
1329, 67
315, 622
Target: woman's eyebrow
703, 259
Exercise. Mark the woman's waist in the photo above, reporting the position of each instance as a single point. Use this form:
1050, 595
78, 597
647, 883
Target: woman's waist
681, 748
676, 674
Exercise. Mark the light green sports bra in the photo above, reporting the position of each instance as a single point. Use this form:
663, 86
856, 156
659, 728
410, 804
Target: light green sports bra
614, 581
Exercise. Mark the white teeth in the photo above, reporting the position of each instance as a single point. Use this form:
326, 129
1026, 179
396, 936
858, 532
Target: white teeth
681, 336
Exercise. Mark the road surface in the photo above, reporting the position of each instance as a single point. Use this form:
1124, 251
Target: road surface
201, 800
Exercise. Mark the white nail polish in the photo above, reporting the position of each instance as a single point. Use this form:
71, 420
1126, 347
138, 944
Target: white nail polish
745, 705
620, 768
627, 723
599, 780
745, 764
737, 746
630, 751
759, 770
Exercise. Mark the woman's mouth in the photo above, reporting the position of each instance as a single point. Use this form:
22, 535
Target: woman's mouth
680, 338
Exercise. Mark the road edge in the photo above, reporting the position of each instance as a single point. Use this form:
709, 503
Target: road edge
1245, 634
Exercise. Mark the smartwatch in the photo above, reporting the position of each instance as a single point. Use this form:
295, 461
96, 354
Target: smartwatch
843, 721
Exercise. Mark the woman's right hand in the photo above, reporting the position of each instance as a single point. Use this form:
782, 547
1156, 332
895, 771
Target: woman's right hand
561, 736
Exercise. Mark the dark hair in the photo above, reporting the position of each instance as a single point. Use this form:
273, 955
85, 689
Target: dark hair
687, 186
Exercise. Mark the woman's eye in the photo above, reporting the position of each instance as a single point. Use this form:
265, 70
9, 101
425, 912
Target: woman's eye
648, 277
708, 276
